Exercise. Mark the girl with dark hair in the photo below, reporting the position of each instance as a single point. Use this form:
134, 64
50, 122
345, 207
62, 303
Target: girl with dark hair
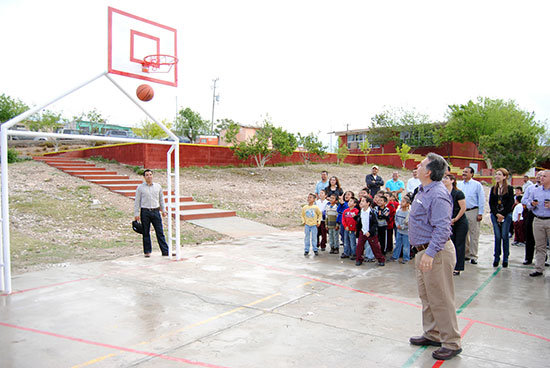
459, 222
334, 187
501, 202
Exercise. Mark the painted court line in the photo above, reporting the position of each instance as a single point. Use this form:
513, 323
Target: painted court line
114, 347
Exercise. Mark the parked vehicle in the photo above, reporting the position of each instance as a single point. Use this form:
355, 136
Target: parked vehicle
117, 133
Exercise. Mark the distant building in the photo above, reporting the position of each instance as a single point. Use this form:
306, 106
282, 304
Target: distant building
245, 132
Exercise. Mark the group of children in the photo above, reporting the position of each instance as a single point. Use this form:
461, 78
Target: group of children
364, 225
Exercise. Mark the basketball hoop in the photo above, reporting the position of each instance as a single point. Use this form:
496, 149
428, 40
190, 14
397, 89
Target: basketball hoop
158, 63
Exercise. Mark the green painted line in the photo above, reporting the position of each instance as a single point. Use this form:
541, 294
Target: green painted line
479, 289
421, 350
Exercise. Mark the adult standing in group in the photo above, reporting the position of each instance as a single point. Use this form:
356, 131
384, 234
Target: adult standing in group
538, 201
413, 182
458, 221
475, 205
395, 185
148, 207
334, 187
526, 183
374, 181
501, 202
528, 219
429, 231
321, 184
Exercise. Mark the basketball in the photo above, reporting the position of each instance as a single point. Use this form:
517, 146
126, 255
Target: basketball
145, 92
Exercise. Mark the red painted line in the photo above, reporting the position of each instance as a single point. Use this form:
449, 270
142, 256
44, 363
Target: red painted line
114, 347
464, 331
510, 330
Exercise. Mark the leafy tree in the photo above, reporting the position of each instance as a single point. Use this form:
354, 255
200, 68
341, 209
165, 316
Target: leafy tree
342, 152
478, 121
267, 141
402, 126
10, 108
311, 147
365, 148
403, 152
514, 150
229, 129
94, 117
190, 124
150, 130
46, 121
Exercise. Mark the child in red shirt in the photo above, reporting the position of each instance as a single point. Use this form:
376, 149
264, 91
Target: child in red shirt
392, 205
349, 224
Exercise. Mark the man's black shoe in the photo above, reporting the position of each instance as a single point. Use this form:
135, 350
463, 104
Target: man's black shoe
527, 262
422, 341
344, 256
467, 258
505, 264
535, 274
445, 354
316, 253
473, 261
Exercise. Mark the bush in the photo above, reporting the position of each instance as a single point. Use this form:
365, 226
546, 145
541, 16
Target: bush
13, 156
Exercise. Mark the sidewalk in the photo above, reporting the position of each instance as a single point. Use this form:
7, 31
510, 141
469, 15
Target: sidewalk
258, 302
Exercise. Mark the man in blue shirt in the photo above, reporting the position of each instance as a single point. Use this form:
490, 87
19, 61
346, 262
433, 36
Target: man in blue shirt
323, 183
395, 185
475, 205
429, 231
538, 201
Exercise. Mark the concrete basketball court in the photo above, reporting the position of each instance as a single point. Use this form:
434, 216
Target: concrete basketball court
258, 302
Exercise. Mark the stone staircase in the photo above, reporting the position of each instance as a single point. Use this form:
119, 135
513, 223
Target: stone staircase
123, 185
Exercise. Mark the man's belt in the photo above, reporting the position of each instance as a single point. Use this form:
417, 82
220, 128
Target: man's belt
542, 218
472, 208
150, 209
421, 247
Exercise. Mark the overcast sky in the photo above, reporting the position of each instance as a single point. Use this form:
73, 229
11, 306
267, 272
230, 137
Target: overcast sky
313, 66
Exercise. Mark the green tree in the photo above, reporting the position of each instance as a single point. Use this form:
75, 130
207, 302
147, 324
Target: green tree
46, 121
514, 150
267, 141
365, 148
311, 147
402, 126
228, 130
403, 152
477, 122
150, 130
190, 124
94, 117
342, 152
10, 108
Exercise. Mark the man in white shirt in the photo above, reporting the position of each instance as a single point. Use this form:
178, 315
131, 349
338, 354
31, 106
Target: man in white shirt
148, 207
475, 205
413, 182
526, 182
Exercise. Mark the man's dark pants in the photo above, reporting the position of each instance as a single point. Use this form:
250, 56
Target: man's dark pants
148, 217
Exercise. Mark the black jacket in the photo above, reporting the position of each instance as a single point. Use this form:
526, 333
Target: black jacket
373, 223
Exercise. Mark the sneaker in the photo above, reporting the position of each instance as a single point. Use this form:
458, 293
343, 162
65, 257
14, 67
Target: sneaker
306, 254
403, 262
344, 255
316, 253
381, 263
473, 261
358, 263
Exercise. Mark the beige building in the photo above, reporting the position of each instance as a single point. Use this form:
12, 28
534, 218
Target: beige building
245, 132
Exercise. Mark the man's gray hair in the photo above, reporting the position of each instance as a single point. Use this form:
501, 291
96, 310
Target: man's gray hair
437, 165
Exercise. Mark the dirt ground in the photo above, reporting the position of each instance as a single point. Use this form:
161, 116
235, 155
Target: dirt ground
57, 218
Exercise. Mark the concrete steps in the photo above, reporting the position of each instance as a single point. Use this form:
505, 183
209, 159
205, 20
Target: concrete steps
123, 185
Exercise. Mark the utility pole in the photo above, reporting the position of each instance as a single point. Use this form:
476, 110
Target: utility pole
214, 99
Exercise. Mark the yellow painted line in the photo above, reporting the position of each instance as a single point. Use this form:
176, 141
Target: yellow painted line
97, 360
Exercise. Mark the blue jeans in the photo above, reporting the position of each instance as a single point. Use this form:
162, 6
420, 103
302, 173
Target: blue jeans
501, 230
333, 239
350, 243
402, 241
311, 235
153, 217
368, 251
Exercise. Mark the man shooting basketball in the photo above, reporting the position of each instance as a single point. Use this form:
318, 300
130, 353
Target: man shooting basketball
149, 206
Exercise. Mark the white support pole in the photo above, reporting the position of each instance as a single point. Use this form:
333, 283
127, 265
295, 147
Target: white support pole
177, 195
6, 265
169, 197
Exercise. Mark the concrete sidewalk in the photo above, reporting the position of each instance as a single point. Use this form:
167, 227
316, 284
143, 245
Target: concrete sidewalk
258, 302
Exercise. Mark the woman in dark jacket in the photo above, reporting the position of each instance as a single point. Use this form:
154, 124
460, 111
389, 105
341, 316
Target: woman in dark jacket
334, 187
459, 222
501, 201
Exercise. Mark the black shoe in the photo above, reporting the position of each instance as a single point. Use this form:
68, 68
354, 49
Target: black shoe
306, 254
467, 258
358, 263
332, 251
323, 249
344, 256
473, 261
547, 264
381, 263
456, 273
495, 264
445, 354
316, 253
535, 274
526, 262
505, 264
422, 341
353, 258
